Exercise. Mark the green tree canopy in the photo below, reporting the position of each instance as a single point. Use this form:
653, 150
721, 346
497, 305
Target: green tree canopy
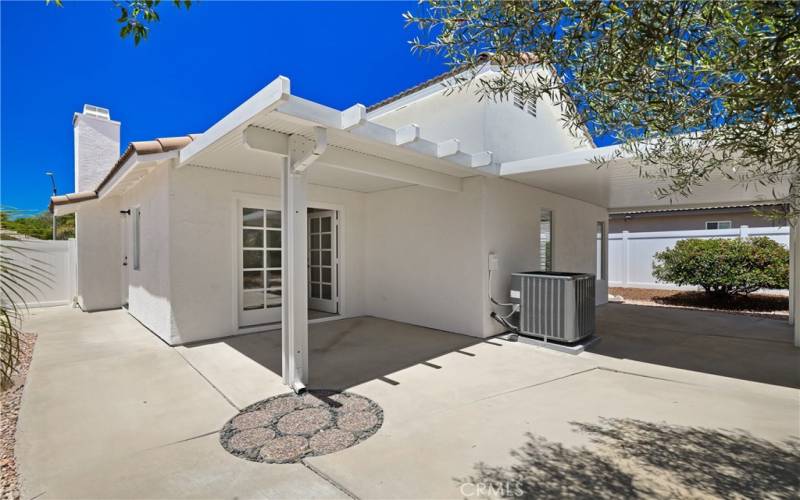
38, 226
136, 16
692, 90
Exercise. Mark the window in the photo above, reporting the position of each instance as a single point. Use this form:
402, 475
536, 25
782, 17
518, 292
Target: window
718, 224
546, 240
602, 272
136, 214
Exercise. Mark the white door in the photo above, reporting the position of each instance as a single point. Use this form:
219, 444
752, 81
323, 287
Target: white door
259, 262
323, 261
124, 258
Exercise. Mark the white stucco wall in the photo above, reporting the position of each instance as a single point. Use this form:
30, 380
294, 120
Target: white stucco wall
440, 118
149, 286
96, 149
509, 132
427, 251
203, 245
424, 259
97, 231
511, 231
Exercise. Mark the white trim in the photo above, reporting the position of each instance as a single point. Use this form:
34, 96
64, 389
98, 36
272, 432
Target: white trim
560, 160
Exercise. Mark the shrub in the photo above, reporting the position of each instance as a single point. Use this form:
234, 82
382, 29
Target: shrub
725, 267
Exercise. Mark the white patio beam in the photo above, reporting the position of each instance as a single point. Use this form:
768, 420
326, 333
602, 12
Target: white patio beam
265, 141
351, 161
305, 151
312, 113
302, 153
276, 143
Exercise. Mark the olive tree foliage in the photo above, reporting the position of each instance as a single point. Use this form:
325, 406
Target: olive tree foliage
694, 91
136, 15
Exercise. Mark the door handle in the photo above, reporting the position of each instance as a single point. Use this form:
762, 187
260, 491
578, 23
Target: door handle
125, 261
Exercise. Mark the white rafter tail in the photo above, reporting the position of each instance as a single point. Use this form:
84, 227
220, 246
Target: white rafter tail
436, 149
406, 133
304, 151
472, 160
265, 141
353, 116
271, 97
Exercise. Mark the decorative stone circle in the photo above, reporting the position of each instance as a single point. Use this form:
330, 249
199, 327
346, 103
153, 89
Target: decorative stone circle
288, 428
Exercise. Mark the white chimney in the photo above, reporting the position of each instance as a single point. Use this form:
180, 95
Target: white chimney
96, 146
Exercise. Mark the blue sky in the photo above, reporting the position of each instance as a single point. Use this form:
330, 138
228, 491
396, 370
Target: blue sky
195, 67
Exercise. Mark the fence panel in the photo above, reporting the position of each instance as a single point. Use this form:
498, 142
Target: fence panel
631, 255
59, 259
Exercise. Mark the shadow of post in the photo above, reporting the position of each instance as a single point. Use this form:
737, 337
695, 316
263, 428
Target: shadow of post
636, 459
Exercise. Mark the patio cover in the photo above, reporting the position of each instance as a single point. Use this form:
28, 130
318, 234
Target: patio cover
277, 134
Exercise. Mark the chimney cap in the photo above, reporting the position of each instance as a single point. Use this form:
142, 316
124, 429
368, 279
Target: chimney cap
96, 111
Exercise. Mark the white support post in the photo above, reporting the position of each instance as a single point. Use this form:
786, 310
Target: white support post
625, 258
744, 232
294, 321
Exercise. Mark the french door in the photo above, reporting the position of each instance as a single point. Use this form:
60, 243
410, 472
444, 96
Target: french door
260, 283
323, 261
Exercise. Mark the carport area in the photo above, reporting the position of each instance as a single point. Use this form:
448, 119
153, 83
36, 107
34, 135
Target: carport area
110, 411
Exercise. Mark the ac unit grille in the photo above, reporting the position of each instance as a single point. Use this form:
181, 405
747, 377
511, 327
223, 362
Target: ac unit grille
557, 306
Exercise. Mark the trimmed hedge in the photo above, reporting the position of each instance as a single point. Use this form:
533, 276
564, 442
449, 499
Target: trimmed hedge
723, 266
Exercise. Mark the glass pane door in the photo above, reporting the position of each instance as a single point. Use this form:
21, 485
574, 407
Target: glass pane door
260, 265
322, 261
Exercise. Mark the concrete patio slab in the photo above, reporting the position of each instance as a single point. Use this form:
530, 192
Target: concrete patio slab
731, 345
451, 444
198, 468
599, 425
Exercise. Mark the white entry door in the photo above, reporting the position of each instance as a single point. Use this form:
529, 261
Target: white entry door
260, 283
323, 261
125, 264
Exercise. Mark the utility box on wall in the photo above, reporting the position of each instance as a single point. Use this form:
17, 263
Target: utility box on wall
555, 305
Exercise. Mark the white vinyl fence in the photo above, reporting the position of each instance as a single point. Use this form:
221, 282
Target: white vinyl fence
58, 259
630, 255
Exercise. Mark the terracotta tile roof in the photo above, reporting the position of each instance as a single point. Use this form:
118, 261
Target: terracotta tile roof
524, 59
159, 145
66, 199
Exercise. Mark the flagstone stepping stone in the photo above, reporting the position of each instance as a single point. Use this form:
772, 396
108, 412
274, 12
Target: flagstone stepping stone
288, 427
284, 449
306, 421
357, 421
330, 440
251, 438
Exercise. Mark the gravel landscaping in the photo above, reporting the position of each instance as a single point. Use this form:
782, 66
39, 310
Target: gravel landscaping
9, 410
756, 304
288, 427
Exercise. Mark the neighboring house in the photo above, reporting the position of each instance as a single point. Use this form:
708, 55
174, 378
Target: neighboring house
692, 219
394, 211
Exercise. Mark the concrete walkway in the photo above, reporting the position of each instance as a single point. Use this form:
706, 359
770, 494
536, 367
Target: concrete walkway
111, 412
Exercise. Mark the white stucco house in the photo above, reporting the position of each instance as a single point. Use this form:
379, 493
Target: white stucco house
287, 211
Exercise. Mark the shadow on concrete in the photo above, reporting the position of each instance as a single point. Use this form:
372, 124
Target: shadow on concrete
348, 352
636, 459
731, 345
